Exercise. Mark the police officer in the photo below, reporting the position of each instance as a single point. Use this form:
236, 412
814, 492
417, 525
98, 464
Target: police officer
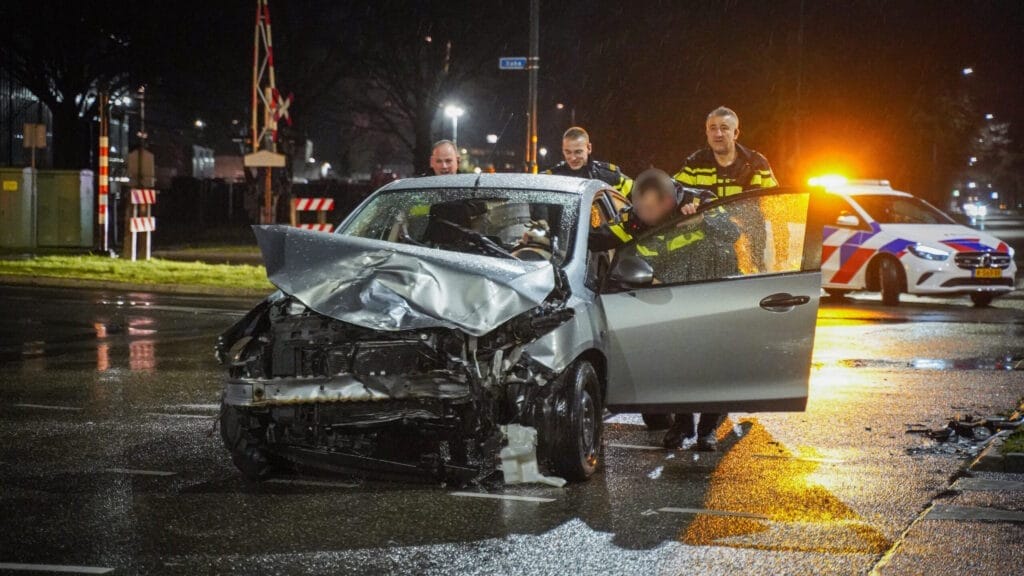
576, 149
725, 167
444, 159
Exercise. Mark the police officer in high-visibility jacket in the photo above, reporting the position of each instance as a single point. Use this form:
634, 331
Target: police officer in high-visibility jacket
725, 166
576, 149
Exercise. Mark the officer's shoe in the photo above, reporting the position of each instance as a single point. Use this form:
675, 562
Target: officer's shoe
675, 436
708, 443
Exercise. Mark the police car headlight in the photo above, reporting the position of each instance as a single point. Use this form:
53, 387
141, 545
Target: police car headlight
927, 252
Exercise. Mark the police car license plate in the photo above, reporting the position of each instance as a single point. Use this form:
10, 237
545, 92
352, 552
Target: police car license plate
988, 273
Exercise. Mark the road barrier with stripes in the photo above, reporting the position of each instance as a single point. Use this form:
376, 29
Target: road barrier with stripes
319, 205
142, 220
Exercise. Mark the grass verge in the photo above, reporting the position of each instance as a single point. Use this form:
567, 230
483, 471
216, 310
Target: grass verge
1014, 442
158, 272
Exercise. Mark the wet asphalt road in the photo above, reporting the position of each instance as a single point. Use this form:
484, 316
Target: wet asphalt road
109, 459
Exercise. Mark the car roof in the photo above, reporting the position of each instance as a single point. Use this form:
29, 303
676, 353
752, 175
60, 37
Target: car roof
566, 184
858, 189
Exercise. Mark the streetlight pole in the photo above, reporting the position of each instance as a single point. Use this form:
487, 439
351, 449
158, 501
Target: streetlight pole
533, 65
453, 111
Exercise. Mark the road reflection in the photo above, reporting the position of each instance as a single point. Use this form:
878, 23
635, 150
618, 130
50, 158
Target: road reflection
761, 484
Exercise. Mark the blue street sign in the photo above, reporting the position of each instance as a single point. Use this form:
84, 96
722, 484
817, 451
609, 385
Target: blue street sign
512, 63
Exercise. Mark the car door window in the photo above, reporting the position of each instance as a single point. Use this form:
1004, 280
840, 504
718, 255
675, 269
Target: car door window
748, 235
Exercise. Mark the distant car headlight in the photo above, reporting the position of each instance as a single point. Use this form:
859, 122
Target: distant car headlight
927, 252
971, 209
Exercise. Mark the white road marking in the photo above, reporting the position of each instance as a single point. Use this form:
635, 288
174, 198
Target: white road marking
709, 512
635, 447
502, 497
799, 459
48, 407
172, 415
135, 472
210, 407
319, 483
55, 568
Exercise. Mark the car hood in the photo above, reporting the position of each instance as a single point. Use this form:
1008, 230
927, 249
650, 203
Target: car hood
387, 286
954, 236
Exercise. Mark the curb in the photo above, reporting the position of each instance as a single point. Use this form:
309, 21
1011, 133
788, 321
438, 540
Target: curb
199, 290
992, 460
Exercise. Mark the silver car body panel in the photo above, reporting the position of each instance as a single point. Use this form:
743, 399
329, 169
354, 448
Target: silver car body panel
386, 286
667, 353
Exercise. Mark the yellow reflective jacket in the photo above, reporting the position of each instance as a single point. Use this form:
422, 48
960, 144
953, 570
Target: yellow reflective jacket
750, 171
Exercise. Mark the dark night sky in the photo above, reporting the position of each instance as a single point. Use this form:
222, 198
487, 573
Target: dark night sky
642, 75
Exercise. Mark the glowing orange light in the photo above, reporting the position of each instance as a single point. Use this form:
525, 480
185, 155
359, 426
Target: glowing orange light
828, 181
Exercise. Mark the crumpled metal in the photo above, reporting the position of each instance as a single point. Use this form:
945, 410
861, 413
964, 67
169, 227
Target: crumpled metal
388, 286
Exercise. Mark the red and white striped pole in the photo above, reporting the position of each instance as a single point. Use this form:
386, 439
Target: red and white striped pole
104, 170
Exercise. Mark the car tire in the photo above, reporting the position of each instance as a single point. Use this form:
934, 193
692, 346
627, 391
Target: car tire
575, 450
982, 299
658, 421
889, 281
242, 439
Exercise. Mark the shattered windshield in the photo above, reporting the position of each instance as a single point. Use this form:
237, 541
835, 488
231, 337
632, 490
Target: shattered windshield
522, 224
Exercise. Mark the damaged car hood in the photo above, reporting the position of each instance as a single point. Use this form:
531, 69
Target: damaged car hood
388, 286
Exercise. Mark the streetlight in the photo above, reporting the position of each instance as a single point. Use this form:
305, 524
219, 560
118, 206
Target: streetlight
990, 116
200, 124
492, 138
453, 111
543, 152
968, 71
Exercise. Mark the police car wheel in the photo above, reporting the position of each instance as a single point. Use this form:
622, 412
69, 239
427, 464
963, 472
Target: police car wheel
658, 421
982, 299
575, 451
889, 281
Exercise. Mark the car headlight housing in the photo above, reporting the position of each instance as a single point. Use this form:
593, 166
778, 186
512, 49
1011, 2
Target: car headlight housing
927, 252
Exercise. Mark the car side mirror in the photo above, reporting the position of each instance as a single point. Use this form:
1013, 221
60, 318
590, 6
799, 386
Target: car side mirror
848, 220
631, 271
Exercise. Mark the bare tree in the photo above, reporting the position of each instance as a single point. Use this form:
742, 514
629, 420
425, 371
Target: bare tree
64, 53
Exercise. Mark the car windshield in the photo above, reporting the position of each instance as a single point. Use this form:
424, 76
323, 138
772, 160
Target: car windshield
524, 224
890, 209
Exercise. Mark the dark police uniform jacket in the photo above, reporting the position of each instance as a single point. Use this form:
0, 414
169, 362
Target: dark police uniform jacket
596, 170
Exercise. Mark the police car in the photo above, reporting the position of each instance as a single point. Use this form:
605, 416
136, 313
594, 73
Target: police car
892, 242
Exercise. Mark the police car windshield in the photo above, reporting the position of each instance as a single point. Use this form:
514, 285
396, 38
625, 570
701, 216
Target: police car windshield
487, 221
891, 209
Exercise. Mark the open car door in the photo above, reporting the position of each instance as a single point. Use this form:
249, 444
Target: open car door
716, 312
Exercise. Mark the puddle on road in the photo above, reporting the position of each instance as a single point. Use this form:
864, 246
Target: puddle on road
1007, 363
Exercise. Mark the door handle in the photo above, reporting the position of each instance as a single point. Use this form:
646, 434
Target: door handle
783, 302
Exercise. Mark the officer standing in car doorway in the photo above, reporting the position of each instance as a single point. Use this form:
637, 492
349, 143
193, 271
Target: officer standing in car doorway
576, 149
724, 167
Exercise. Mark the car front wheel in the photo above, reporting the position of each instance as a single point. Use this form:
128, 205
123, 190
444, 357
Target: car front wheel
889, 281
576, 448
242, 433
982, 299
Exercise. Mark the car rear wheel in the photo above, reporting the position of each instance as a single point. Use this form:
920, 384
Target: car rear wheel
576, 448
242, 435
889, 281
658, 421
982, 299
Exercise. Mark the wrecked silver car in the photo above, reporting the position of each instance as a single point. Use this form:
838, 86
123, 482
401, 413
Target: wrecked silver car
450, 314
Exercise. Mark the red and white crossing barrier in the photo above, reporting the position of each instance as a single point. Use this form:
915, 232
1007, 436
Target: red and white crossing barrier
143, 196
142, 224
313, 204
317, 227
142, 220
319, 205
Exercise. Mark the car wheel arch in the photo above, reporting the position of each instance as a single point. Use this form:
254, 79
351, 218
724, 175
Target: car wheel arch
597, 359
